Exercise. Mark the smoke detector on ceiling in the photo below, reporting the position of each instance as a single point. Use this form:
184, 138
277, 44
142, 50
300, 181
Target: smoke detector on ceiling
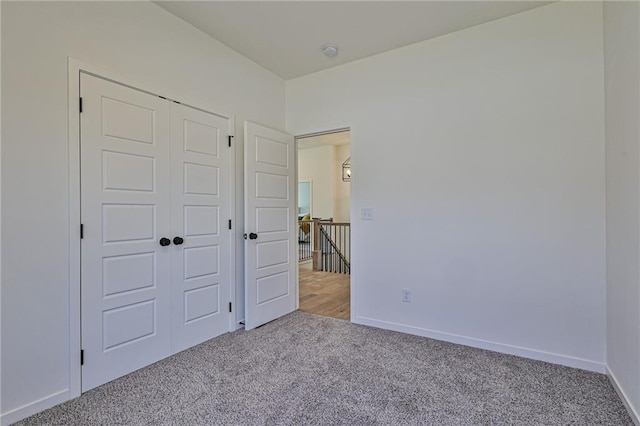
330, 50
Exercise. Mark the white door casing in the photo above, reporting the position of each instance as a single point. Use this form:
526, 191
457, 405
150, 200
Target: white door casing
271, 265
199, 199
150, 169
125, 207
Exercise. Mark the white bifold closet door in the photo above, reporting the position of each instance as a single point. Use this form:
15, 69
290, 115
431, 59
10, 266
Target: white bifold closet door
154, 208
200, 215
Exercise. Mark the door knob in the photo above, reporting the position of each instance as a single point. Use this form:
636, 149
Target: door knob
253, 236
177, 241
164, 241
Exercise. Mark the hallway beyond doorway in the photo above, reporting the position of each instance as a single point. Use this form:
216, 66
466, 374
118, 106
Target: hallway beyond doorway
325, 293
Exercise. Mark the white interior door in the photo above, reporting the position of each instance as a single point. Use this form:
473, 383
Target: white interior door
201, 236
271, 267
125, 210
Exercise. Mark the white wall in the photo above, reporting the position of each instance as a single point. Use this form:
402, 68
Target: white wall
622, 90
316, 165
138, 39
341, 189
323, 167
482, 156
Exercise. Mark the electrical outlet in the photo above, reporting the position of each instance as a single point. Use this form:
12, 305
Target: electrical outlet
366, 213
406, 295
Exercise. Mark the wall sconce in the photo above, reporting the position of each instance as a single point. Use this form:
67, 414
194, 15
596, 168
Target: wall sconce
346, 170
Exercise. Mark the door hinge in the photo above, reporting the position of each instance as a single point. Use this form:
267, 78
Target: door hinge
229, 223
82, 357
230, 307
81, 231
80, 105
230, 137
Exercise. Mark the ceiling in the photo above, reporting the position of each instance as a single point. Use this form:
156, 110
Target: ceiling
286, 37
339, 138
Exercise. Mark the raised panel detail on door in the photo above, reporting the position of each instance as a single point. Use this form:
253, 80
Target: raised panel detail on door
201, 261
131, 272
126, 222
128, 121
272, 219
201, 302
201, 179
270, 259
272, 253
272, 287
201, 138
127, 172
272, 152
201, 220
270, 185
125, 202
128, 324
200, 199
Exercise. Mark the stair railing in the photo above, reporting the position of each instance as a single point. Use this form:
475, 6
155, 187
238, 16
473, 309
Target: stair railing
332, 247
305, 239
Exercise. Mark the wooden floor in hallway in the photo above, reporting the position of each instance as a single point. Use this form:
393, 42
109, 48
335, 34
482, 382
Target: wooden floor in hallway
325, 293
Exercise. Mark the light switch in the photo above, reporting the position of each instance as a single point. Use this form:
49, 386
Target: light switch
367, 213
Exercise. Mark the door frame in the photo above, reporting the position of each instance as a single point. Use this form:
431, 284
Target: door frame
75, 67
342, 127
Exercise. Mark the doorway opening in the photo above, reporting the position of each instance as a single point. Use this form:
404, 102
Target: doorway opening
324, 223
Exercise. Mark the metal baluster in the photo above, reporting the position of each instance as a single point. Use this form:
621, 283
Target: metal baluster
338, 230
335, 254
333, 251
342, 248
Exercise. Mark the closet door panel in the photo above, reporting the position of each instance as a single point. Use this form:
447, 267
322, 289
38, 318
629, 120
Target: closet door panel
125, 210
200, 212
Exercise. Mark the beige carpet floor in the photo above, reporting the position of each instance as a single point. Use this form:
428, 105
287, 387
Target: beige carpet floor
305, 369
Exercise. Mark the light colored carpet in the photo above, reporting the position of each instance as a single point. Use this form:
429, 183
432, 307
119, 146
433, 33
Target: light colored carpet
305, 369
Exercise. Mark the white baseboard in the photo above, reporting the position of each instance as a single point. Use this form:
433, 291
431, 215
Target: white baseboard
569, 361
623, 396
35, 407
